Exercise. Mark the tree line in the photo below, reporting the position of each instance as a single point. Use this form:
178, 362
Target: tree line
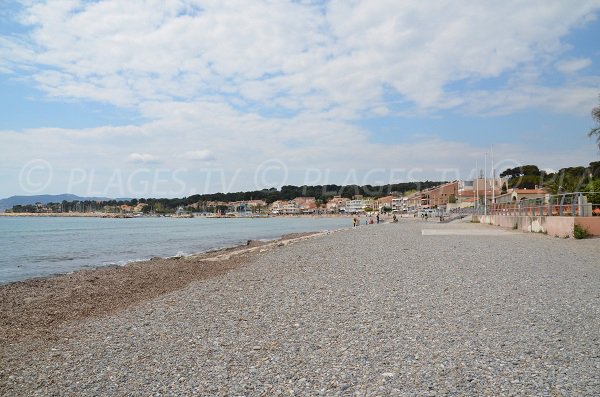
322, 193
568, 179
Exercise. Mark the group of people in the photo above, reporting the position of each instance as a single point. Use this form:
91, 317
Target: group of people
426, 216
369, 220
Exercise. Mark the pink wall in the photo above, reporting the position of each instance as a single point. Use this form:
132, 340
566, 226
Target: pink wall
589, 223
557, 226
560, 226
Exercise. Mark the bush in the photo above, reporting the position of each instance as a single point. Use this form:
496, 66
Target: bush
579, 232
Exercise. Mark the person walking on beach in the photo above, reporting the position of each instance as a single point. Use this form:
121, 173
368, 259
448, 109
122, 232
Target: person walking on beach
378, 219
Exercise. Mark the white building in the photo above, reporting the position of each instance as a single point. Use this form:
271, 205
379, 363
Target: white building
354, 206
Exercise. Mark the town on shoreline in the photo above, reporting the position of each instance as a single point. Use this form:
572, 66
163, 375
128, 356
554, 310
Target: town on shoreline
520, 185
443, 197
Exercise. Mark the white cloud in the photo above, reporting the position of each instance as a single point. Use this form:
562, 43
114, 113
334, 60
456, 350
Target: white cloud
286, 54
574, 100
143, 158
573, 65
198, 155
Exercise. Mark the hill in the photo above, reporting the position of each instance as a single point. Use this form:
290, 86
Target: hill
10, 202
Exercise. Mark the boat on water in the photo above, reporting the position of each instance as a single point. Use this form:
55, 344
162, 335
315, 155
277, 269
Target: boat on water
182, 216
182, 213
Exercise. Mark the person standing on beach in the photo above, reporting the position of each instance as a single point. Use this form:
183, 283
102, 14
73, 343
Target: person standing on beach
378, 219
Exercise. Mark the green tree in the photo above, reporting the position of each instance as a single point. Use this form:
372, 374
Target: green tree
524, 170
596, 130
593, 186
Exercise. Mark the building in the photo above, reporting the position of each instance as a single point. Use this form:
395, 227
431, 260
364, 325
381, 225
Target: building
398, 204
246, 206
336, 204
384, 203
291, 208
368, 204
277, 207
516, 195
441, 195
140, 207
413, 202
306, 205
469, 192
355, 205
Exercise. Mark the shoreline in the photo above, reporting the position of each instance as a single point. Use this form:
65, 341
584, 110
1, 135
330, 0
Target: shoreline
36, 307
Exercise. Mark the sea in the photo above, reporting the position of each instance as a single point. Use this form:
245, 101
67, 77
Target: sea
43, 246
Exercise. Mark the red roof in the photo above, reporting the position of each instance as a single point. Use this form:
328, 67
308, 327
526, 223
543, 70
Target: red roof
528, 191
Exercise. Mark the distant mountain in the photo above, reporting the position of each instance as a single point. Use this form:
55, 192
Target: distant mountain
10, 202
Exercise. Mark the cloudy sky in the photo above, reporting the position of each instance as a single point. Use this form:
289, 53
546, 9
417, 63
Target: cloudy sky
171, 98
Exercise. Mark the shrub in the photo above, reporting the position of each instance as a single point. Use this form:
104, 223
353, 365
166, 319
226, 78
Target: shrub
579, 232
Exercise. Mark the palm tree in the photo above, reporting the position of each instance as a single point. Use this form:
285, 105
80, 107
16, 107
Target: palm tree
596, 131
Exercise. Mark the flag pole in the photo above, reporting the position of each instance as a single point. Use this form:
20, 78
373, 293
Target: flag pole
493, 180
485, 184
476, 186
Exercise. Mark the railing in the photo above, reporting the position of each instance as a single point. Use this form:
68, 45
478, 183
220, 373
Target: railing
566, 204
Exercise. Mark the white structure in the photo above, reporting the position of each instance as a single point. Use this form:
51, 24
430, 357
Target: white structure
291, 208
400, 204
354, 206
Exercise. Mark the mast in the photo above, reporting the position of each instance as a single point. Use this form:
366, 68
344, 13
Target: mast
476, 186
485, 184
493, 180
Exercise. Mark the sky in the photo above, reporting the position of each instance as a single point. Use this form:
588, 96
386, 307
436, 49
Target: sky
173, 98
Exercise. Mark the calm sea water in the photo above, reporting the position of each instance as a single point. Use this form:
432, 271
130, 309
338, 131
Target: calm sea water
39, 246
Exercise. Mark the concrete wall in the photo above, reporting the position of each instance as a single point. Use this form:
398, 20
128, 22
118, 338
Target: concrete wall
590, 223
557, 226
560, 226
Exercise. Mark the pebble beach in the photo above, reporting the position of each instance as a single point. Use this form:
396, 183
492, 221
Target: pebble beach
399, 309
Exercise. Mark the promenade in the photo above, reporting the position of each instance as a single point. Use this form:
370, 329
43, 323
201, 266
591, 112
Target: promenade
408, 309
